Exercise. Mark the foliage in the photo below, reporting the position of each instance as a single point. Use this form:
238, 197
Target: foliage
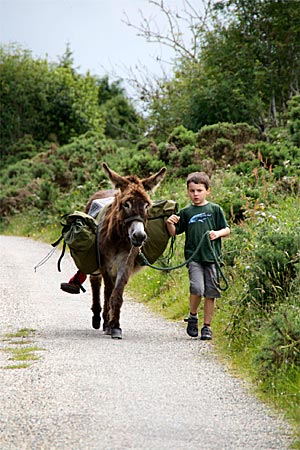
275, 267
242, 67
141, 163
226, 142
48, 102
58, 176
280, 349
24, 148
294, 120
121, 118
265, 255
182, 137
43, 102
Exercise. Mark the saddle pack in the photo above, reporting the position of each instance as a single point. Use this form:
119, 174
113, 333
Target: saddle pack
156, 229
80, 232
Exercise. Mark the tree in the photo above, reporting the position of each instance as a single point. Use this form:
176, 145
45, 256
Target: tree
271, 30
121, 118
243, 64
46, 101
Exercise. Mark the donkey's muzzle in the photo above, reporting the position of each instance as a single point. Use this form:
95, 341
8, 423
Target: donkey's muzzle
136, 233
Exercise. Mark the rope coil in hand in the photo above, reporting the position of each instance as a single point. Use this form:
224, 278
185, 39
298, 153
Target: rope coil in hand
217, 262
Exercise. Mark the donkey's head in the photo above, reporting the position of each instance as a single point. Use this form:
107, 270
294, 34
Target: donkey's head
132, 202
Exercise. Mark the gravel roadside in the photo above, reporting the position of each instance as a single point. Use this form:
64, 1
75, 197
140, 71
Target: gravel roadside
156, 389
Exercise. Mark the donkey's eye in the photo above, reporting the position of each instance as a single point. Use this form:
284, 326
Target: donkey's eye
126, 205
146, 206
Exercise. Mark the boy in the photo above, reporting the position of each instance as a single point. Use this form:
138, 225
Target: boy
194, 220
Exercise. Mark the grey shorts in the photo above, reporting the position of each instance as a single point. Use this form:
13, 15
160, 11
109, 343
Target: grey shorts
203, 280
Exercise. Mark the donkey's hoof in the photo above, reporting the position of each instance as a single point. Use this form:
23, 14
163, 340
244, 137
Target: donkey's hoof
107, 331
96, 322
116, 333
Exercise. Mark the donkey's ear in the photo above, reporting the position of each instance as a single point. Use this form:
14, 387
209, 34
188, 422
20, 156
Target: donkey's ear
117, 180
152, 182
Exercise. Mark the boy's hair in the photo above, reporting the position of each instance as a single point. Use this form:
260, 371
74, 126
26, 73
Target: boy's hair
198, 177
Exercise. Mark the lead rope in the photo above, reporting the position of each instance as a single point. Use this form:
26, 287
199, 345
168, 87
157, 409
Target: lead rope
45, 259
167, 269
130, 253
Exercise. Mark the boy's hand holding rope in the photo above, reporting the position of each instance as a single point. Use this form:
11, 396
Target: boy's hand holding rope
216, 259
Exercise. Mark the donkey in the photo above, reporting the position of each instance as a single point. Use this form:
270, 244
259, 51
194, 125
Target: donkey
122, 233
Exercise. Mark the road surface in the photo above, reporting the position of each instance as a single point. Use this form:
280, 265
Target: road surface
157, 389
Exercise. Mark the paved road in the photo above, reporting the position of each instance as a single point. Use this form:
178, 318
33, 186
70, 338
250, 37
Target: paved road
156, 389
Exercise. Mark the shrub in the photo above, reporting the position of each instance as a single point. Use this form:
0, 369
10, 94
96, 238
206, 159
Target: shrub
280, 349
181, 137
264, 260
276, 265
226, 142
280, 159
141, 163
238, 133
294, 120
44, 100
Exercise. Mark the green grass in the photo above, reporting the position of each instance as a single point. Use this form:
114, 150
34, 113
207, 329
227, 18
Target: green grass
23, 333
20, 349
23, 353
34, 225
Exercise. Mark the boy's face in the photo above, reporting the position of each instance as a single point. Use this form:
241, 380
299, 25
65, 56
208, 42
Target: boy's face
197, 193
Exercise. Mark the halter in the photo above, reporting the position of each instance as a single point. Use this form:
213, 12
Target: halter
133, 219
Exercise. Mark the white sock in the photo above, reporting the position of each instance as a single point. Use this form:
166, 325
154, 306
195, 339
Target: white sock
194, 316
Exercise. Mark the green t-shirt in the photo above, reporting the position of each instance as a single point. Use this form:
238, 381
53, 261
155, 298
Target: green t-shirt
194, 222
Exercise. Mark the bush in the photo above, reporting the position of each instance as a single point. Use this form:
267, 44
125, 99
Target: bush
182, 137
280, 349
44, 100
294, 120
279, 159
40, 181
226, 142
141, 163
238, 133
275, 268
263, 257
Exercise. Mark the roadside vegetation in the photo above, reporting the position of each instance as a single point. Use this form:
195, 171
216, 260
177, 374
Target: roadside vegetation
220, 113
20, 349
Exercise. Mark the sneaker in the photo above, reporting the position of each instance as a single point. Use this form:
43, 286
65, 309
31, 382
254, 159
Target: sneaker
192, 328
206, 333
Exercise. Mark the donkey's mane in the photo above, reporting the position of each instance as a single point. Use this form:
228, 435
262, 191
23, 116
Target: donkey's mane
113, 221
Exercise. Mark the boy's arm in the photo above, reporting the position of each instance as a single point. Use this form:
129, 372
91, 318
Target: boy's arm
215, 234
171, 221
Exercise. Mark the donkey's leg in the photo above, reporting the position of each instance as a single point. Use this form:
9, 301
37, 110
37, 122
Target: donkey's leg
116, 298
108, 286
95, 281
116, 301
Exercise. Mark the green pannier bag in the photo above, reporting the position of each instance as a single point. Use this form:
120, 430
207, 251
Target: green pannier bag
81, 233
156, 229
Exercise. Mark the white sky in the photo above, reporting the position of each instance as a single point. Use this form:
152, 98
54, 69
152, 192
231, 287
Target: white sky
99, 40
